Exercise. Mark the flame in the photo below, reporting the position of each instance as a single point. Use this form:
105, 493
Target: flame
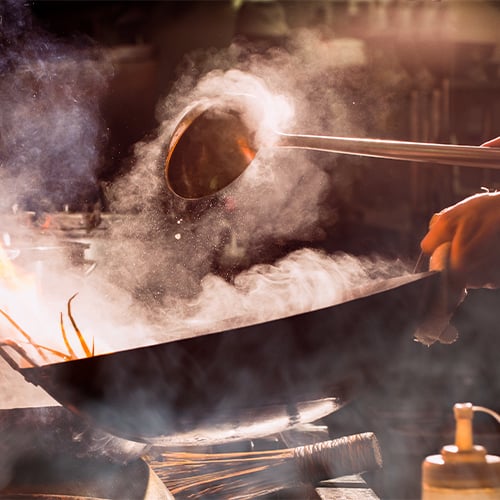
12, 278
20, 297
245, 148
14, 281
47, 223
18, 294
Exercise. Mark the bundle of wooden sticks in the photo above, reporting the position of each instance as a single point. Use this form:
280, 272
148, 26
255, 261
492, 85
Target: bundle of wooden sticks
248, 475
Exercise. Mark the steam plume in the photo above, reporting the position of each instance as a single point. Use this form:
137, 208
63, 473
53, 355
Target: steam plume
158, 276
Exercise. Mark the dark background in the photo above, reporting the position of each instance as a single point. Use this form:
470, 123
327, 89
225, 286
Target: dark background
450, 53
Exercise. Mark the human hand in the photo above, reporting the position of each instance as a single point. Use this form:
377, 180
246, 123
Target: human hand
463, 242
472, 227
472, 230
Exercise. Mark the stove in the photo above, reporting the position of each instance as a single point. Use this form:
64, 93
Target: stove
63, 477
47, 452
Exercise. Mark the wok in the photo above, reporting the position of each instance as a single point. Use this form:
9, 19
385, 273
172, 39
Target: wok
249, 381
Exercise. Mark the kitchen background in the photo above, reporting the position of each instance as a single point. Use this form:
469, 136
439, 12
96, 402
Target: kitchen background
409, 70
397, 69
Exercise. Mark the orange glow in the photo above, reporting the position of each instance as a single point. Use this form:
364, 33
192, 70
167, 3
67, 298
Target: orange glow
18, 292
245, 148
47, 223
12, 278
20, 298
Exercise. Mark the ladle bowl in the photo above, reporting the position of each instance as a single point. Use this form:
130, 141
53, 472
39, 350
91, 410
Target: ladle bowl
215, 141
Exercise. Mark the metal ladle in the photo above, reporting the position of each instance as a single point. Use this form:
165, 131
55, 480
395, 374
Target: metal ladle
214, 143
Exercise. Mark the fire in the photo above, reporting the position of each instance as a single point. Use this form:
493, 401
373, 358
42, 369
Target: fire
47, 223
20, 298
18, 293
13, 279
248, 152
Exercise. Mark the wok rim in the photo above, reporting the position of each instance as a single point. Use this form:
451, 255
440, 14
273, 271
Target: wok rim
425, 285
371, 289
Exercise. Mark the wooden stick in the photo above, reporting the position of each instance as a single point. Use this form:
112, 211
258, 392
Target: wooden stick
249, 474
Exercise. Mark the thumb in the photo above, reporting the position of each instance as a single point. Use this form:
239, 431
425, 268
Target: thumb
440, 258
440, 232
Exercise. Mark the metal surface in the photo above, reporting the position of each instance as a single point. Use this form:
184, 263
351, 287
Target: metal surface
41, 258
63, 477
201, 387
346, 488
442, 154
215, 141
53, 430
205, 152
252, 423
73, 251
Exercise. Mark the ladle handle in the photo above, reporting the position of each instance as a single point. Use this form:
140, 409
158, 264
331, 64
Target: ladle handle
444, 154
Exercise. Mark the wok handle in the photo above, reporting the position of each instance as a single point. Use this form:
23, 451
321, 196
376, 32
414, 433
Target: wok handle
16, 347
444, 154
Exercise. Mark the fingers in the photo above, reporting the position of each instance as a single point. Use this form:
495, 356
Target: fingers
443, 226
472, 228
492, 143
470, 233
440, 258
475, 254
468, 213
441, 230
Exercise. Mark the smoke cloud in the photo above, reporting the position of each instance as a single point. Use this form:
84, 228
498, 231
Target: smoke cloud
284, 197
168, 268
51, 128
50, 146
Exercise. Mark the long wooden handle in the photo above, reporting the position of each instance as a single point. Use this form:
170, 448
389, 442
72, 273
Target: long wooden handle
443, 154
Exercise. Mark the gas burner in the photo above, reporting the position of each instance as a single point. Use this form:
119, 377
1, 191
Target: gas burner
66, 478
49, 453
